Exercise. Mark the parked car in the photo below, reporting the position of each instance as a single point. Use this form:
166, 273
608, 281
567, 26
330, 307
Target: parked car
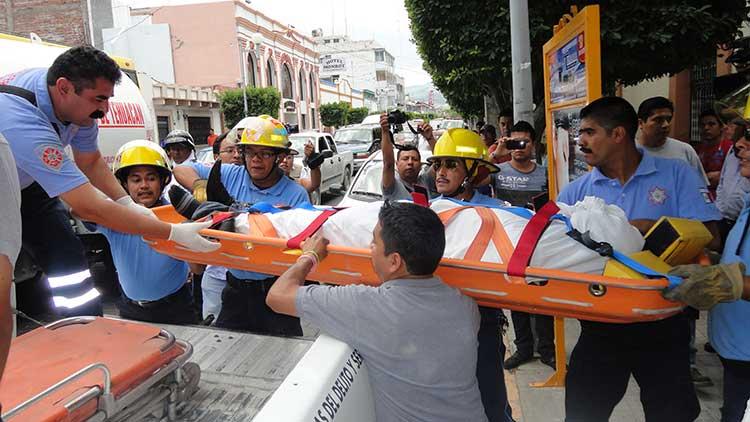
205, 155
371, 119
446, 124
361, 140
336, 170
367, 185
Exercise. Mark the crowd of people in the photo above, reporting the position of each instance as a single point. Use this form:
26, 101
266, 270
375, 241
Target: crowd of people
432, 353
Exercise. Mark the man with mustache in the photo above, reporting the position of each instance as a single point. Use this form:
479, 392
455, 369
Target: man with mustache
655, 353
654, 121
460, 162
401, 173
43, 112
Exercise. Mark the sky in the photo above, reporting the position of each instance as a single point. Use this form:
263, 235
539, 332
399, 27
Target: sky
385, 21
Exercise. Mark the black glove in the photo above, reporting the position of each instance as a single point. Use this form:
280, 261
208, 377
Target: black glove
215, 190
315, 160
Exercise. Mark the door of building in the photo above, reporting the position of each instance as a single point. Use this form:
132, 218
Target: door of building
162, 124
198, 127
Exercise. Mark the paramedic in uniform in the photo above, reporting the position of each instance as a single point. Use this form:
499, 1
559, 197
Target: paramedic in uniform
154, 287
655, 353
417, 335
459, 161
263, 145
70, 96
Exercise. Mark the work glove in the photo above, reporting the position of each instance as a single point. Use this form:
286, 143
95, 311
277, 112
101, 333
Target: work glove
199, 190
703, 287
215, 190
186, 234
127, 201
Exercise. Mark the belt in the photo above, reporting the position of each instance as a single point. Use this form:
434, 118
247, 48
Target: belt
166, 299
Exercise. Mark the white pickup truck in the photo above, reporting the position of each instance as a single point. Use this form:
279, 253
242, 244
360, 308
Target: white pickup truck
336, 170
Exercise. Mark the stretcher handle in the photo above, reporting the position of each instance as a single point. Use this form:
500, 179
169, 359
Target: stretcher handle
100, 366
166, 335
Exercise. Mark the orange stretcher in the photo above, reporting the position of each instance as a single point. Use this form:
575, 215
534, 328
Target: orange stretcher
560, 293
94, 369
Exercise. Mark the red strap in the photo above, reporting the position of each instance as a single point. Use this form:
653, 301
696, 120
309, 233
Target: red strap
296, 241
529, 239
420, 199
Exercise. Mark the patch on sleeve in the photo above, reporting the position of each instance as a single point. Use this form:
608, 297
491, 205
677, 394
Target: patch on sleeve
707, 198
52, 156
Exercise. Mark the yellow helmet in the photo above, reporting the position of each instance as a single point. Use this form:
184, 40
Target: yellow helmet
466, 144
142, 153
264, 131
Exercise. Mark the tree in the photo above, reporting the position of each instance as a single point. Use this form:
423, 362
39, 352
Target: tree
355, 115
334, 114
259, 101
466, 45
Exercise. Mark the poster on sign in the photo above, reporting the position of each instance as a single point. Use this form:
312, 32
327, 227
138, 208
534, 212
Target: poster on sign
572, 76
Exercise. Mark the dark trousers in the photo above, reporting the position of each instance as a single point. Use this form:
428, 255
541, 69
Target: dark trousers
243, 308
49, 237
490, 367
736, 389
545, 334
177, 308
655, 353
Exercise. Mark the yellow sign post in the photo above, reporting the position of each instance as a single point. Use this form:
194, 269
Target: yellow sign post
572, 79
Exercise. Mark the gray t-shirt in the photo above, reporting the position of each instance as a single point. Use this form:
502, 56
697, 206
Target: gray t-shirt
401, 190
10, 204
672, 148
418, 339
516, 187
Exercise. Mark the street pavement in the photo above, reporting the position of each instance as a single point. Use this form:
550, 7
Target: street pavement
532, 404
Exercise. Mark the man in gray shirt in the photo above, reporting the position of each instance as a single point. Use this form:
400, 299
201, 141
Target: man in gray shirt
417, 335
654, 121
401, 173
10, 242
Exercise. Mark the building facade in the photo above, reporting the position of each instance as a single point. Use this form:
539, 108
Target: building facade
365, 65
237, 46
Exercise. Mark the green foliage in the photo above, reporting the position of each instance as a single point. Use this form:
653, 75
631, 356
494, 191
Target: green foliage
334, 114
355, 115
466, 45
259, 101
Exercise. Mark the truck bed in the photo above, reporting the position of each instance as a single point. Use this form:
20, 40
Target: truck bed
239, 371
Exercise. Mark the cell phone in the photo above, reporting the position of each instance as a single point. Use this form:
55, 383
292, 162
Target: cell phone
515, 144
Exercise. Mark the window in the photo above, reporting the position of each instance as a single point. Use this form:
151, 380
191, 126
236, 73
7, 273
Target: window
270, 72
326, 41
302, 87
379, 55
322, 145
251, 68
312, 91
287, 90
304, 122
380, 75
332, 144
162, 124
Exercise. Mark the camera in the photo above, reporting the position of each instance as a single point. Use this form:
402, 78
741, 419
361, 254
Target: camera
396, 117
515, 144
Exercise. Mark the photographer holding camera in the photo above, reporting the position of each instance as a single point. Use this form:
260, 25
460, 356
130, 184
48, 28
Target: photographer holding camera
402, 171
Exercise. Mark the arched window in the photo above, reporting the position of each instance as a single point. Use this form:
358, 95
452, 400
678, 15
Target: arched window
287, 89
251, 70
302, 86
312, 88
270, 73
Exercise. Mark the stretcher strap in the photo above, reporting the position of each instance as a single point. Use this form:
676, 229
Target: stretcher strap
261, 226
296, 241
529, 239
482, 240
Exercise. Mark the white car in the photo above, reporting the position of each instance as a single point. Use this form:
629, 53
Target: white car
336, 169
367, 186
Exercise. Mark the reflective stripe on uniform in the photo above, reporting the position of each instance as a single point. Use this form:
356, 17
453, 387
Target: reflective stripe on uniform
74, 302
68, 280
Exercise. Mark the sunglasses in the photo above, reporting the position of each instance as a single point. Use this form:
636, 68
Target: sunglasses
448, 163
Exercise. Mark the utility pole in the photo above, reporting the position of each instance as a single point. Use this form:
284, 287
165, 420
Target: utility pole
520, 46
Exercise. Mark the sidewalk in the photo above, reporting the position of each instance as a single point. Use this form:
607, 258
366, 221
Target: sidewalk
548, 404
